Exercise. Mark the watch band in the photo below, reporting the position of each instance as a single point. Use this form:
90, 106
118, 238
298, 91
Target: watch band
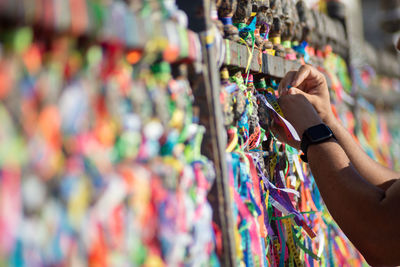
306, 141
304, 147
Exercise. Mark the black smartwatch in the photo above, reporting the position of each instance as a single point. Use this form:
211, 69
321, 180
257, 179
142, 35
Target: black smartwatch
314, 135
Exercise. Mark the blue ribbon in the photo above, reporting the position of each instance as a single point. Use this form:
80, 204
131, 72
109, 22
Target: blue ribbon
226, 21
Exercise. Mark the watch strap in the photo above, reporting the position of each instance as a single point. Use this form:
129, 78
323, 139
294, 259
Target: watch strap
306, 142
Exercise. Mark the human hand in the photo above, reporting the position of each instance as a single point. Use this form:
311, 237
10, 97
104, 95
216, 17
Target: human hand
299, 112
279, 131
312, 84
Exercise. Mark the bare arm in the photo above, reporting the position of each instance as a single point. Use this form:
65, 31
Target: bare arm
368, 168
367, 214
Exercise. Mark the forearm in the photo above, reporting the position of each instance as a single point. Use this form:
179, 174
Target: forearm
354, 203
369, 169
352, 185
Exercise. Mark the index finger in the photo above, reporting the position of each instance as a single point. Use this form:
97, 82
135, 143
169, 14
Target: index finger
286, 81
305, 72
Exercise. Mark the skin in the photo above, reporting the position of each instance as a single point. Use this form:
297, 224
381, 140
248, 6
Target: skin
362, 196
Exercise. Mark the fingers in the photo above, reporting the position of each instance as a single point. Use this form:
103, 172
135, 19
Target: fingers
277, 128
307, 72
286, 82
301, 75
297, 79
296, 91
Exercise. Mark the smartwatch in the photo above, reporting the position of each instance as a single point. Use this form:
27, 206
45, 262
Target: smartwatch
314, 135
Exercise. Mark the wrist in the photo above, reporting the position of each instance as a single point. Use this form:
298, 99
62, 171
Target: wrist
317, 147
315, 135
310, 124
331, 121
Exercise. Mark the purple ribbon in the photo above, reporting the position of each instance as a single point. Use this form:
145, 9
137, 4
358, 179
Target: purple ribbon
277, 197
267, 31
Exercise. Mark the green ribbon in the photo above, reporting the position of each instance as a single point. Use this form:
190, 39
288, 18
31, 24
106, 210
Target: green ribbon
240, 82
291, 215
184, 42
228, 52
241, 26
286, 44
303, 247
261, 84
283, 246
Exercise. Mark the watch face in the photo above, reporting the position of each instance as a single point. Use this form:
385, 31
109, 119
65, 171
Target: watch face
319, 133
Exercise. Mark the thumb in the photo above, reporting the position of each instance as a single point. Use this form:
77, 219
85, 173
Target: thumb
297, 91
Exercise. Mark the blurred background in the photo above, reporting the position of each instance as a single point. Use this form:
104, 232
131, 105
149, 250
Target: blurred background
112, 135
